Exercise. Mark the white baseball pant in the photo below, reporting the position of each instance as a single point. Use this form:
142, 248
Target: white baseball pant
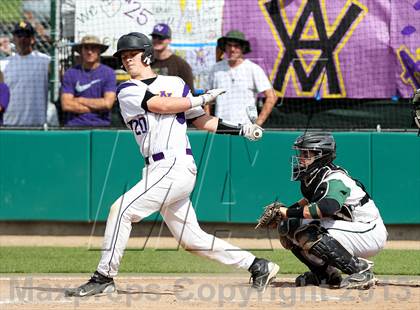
165, 187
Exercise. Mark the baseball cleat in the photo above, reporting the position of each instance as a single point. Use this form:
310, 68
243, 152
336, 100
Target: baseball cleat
332, 278
98, 284
362, 281
262, 273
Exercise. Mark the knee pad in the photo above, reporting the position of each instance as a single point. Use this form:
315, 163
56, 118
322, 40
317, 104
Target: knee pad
286, 243
288, 227
308, 235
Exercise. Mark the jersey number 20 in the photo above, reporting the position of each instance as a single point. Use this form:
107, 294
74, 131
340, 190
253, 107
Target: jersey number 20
139, 126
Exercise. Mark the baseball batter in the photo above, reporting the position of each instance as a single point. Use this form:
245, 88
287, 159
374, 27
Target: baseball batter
156, 109
335, 226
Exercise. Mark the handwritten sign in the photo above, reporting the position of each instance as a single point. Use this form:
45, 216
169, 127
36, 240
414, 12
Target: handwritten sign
196, 25
110, 19
191, 21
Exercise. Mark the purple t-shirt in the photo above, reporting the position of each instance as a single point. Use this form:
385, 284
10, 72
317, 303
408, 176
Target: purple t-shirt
4, 99
88, 84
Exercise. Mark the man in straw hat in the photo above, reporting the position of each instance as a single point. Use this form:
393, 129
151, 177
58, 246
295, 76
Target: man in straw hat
88, 89
243, 79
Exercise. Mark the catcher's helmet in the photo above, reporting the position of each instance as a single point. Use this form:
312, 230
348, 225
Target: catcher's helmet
320, 143
135, 41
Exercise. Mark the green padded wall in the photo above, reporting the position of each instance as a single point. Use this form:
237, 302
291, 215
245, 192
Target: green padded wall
116, 166
77, 175
44, 175
396, 167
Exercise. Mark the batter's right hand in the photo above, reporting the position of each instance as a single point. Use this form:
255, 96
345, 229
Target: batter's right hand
252, 132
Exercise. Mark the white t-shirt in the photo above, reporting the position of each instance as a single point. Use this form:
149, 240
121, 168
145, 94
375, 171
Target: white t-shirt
153, 132
242, 83
27, 78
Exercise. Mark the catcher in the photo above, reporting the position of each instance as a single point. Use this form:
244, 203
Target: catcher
335, 226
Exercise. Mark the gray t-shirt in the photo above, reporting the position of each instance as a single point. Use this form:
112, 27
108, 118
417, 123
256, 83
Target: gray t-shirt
27, 79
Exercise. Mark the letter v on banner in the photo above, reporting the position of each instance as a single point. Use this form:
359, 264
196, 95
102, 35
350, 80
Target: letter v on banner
292, 41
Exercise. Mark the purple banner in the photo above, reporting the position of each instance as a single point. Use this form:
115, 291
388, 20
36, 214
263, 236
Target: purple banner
405, 40
332, 48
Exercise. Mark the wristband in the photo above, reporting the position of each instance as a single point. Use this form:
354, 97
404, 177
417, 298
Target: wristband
196, 101
313, 210
295, 205
227, 128
295, 212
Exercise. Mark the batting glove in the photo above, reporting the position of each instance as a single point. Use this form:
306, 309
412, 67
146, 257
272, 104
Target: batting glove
252, 132
207, 98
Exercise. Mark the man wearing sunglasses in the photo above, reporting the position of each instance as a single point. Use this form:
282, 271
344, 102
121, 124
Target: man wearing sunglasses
26, 75
165, 61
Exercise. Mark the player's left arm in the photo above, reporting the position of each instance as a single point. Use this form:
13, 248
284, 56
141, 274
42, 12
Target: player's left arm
332, 193
270, 101
172, 105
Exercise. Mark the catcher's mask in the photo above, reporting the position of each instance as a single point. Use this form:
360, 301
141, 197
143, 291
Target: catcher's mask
314, 150
135, 41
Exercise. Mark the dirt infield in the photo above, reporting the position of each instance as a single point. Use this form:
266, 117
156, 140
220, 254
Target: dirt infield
202, 292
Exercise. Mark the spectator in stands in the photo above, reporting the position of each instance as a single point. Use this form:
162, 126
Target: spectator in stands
88, 89
4, 97
26, 75
242, 78
5, 46
37, 25
166, 62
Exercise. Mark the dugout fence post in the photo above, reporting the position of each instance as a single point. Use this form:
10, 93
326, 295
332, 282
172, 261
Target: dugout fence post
55, 36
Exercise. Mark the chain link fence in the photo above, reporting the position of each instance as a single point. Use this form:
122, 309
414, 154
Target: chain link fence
54, 22
36, 12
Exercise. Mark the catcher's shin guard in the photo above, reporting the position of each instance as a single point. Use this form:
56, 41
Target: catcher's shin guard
320, 274
333, 253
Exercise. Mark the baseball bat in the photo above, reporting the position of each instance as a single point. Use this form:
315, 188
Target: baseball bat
252, 113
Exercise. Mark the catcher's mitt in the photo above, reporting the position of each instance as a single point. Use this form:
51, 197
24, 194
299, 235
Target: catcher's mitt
271, 216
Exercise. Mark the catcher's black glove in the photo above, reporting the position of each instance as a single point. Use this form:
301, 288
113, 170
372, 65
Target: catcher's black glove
271, 216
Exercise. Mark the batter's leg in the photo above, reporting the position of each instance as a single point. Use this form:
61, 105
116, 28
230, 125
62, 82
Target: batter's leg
182, 222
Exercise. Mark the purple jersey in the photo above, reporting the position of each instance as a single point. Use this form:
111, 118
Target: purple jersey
88, 84
4, 100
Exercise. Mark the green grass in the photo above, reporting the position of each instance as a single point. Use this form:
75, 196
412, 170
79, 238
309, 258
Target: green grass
81, 260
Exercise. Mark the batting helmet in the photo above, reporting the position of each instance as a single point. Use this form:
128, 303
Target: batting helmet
320, 143
135, 41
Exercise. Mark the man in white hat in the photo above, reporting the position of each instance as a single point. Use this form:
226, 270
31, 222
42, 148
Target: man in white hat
88, 89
